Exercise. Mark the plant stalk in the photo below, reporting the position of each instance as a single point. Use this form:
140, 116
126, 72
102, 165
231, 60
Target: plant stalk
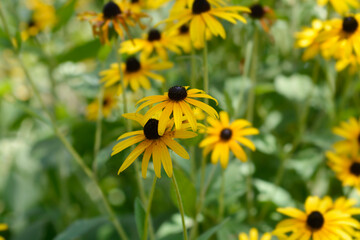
181, 208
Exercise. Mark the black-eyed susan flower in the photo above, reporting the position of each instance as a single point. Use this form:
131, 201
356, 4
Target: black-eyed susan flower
254, 235
264, 14
109, 103
3, 227
340, 37
136, 73
112, 16
182, 37
340, 6
153, 41
349, 130
319, 221
223, 136
152, 144
43, 17
177, 101
346, 168
202, 16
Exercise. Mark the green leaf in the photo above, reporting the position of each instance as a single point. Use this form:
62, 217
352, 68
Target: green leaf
187, 191
64, 14
139, 217
297, 87
206, 235
81, 52
80, 227
104, 52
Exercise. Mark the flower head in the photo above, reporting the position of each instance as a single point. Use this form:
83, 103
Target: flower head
321, 220
177, 101
254, 235
340, 6
264, 14
109, 102
202, 16
346, 168
349, 130
136, 72
152, 144
43, 17
224, 136
112, 16
153, 41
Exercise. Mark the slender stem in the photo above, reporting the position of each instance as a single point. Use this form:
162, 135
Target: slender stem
181, 208
193, 233
98, 131
193, 68
221, 195
119, 58
3, 20
148, 209
76, 156
206, 71
250, 117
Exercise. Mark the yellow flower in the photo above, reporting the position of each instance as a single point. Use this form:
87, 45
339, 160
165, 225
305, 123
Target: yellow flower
254, 235
3, 227
307, 38
43, 17
202, 16
346, 168
340, 6
182, 38
152, 144
177, 101
224, 136
340, 38
351, 132
319, 221
112, 16
346, 206
153, 41
136, 73
108, 104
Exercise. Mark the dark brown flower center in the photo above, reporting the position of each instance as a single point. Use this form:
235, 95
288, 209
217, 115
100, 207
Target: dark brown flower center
106, 102
151, 129
154, 35
184, 29
31, 23
257, 11
349, 24
200, 6
111, 10
315, 220
355, 169
177, 93
226, 134
132, 65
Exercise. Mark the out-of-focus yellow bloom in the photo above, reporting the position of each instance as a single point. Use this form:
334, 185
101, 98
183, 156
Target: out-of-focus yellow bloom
109, 103
264, 14
203, 16
3, 227
349, 130
254, 235
136, 73
140, 5
321, 220
43, 17
224, 136
341, 6
153, 41
114, 16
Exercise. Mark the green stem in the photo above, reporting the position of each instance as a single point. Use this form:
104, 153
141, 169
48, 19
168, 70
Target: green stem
206, 71
3, 20
250, 117
97, 143
193, 233
181, 208
76, 156
221, 195
193, 68
148, 209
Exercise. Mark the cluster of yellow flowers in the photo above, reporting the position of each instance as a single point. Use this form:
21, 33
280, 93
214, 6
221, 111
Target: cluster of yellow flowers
334, 38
